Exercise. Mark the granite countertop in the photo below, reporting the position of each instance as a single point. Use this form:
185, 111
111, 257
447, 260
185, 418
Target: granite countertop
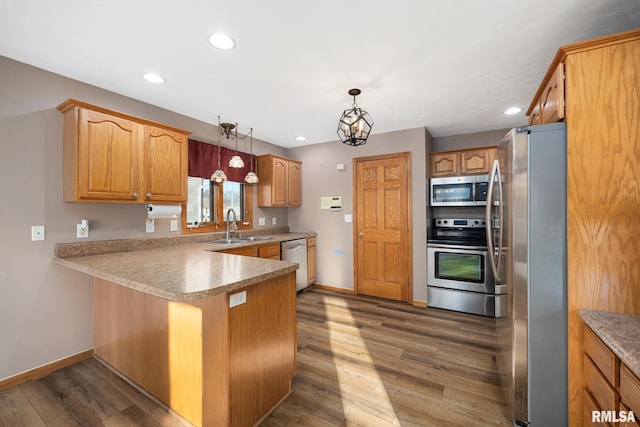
174, 269
620, 332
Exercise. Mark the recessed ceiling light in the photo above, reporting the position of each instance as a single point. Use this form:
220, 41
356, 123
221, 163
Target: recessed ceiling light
222, 41
153, 78
512, 110
301, 138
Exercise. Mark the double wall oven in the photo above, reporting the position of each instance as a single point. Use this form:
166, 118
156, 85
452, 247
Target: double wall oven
460, 277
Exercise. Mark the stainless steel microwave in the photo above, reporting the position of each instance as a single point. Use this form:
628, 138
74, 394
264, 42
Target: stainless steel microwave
470, 190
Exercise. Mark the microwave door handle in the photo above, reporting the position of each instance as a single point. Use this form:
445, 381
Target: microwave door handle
489, 219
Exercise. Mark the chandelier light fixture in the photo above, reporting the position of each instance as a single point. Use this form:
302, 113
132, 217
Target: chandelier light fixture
219, 176
355, 124
251, 177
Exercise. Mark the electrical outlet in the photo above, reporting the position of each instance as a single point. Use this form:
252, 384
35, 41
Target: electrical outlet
273, 221
262, 221
150, 225
37, 232
173, 225
237, 299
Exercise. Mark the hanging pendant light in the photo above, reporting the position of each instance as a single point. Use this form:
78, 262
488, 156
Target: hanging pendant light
251, 177
355, 124
236, 160
218, 176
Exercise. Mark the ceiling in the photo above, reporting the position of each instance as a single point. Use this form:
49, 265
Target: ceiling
452, 66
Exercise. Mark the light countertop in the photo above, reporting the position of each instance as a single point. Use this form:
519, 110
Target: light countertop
176, 269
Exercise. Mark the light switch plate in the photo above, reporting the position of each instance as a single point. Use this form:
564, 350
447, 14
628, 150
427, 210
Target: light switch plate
150, 225
273, 221
262, 221
37, 232
173, 225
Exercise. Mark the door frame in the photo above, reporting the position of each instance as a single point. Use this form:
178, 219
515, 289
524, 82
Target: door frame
407, 158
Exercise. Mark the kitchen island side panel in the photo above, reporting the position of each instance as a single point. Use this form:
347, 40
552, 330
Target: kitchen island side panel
213, 365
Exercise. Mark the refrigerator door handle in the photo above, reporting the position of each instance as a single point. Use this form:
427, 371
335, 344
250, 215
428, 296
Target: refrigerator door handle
492, 225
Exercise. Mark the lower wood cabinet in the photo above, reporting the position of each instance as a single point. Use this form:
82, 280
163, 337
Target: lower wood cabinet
611, 391
311, 260
270, 251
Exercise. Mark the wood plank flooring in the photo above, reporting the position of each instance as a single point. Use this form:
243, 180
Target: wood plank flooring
362, 361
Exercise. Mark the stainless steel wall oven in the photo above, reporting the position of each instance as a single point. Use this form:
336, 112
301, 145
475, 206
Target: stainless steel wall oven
460, 277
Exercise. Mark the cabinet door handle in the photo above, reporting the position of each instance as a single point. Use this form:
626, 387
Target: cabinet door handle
135, 195
149, 195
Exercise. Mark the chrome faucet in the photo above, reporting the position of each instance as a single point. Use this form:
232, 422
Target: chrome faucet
235, 225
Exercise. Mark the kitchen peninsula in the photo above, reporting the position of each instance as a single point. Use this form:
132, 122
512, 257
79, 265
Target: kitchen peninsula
209, 334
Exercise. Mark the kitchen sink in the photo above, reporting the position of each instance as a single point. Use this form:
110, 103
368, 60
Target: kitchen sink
226, 241
255, 238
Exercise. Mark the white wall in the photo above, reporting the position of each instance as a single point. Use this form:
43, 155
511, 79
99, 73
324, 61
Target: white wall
335, 237
46, 310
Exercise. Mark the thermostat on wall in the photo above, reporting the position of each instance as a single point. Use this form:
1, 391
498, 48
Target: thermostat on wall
333, 203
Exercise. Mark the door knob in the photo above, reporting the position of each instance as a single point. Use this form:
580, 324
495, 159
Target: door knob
360, 234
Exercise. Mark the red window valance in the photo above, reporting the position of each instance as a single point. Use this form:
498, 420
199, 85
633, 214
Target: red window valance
203, 161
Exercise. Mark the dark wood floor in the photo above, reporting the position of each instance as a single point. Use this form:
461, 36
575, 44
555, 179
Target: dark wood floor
361, 362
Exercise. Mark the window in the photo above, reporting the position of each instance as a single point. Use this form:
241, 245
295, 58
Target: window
208, 203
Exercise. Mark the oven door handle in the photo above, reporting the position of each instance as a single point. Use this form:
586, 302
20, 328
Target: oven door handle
495, 254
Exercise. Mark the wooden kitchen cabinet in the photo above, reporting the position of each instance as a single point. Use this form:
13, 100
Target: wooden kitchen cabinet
311, 260
280, 181
629, 394
474, 161
270, 251
113, 157
602, 154
548, 103
244, 251
608, 384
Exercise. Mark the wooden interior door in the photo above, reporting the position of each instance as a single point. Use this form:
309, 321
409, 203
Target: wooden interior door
382, 226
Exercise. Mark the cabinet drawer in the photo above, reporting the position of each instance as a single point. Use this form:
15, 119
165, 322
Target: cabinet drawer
250, 251
601, 356
630, 389
269, 251
628, 423
589, 406
311, 241
602, 392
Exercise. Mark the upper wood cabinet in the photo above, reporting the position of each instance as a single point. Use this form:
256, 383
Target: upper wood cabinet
548, 103
280, 181
113, 157
474, 161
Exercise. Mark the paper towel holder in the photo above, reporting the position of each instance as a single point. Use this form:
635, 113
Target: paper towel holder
163, 211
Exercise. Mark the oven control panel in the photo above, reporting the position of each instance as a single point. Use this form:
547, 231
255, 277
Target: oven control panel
460, 223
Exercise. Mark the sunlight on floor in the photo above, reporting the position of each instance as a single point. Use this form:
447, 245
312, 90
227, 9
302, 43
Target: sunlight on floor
357, 379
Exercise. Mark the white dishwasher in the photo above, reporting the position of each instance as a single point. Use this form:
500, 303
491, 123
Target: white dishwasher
296, 251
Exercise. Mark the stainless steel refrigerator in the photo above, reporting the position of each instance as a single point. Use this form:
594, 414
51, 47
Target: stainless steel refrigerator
526, 233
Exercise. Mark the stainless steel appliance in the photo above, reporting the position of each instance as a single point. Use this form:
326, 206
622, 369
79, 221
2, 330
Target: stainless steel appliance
296, 251
526, 234
470, 190
459, 276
